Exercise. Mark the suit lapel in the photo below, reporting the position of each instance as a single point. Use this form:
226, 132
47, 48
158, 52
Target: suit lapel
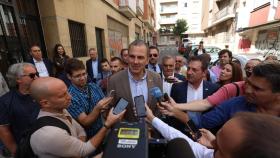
184, 92
126, 87
205, 90
150, 84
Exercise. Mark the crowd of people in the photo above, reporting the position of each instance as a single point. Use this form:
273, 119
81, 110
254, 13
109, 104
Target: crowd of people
226, 103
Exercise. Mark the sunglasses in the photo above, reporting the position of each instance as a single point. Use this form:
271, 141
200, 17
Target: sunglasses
154, 55
32, 75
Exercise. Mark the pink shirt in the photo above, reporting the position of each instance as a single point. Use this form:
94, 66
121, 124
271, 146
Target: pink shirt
216, 70
226, 92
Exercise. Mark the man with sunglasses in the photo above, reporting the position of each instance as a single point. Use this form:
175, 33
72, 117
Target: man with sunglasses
17, 108
153, 60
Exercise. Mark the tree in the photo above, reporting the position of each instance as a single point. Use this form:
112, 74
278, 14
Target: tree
180, 27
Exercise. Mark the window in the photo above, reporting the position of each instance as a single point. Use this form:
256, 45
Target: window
77, 36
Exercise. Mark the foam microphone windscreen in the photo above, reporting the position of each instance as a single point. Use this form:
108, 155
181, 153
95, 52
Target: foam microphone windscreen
156, 92
179, 148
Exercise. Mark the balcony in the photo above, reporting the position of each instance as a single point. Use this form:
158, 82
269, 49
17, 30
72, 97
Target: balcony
140, 7
166, 21
167, 1
227, 12
169, 11
128, 8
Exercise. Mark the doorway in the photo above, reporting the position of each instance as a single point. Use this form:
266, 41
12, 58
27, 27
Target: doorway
99, 42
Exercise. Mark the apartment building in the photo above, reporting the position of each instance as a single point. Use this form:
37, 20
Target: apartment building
219, 23
169, 11
107, 25
258, 27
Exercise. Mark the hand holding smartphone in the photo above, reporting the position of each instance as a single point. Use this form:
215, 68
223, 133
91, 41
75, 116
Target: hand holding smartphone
120, 106
194, 131
140, 106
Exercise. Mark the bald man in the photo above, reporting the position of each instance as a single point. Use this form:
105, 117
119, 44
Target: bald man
53, 97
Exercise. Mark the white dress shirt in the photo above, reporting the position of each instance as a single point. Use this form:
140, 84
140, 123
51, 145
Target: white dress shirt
170, 133
166, 86
195, 94
94, 64
41, 68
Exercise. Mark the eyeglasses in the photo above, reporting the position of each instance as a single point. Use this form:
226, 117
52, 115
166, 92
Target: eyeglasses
153, 55
32, 75
79, 76
179, 61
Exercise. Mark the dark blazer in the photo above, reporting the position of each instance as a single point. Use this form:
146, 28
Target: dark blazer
120, 83
196, 52
47, 63
159, 65
179, 94
90, 72
179, 91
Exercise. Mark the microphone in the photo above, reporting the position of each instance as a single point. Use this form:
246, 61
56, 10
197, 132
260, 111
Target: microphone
156, 93
179, 148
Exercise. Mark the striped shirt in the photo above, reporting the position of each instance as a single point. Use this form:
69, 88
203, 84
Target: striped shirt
84, 101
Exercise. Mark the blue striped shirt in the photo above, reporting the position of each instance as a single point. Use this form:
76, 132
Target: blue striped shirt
84, 102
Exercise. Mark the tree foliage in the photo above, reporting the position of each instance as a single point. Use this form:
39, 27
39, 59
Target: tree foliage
180, 27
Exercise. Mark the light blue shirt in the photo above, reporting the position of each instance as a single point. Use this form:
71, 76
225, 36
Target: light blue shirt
139, 87
94, 65
150, 67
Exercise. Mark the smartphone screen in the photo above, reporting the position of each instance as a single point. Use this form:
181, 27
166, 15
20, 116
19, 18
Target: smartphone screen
140, 106
120, 106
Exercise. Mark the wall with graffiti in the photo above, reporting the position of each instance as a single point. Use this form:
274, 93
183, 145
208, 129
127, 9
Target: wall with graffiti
268, 42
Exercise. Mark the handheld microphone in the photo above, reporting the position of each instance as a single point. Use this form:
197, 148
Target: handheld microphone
156, 92
179, 148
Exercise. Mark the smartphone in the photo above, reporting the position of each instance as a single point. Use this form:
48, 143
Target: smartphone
194, 131
111, 93
120, 106
140, 106
166, 97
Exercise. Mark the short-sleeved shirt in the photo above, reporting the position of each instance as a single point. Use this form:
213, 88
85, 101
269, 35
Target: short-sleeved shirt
226, 92
84, 101
18, 111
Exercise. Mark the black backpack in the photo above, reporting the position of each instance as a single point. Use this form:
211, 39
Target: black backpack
24, 149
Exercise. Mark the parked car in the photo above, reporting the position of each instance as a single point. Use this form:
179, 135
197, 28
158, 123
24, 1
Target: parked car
212, 50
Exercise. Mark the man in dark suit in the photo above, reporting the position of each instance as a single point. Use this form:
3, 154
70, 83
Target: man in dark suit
200, 50
93, 66
135, 81
195, 88
169, 77
44, 66
153, 60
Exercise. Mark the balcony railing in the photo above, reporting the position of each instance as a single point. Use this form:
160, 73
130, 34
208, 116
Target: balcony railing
140, 7
223, 13
128, 8
167, 21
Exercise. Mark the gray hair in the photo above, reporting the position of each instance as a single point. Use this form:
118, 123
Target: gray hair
167, 57
15, 71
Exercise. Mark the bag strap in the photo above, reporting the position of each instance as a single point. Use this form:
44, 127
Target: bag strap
50, 121
237, 89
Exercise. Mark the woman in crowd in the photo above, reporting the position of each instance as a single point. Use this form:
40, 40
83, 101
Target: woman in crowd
231, 72
59, 59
